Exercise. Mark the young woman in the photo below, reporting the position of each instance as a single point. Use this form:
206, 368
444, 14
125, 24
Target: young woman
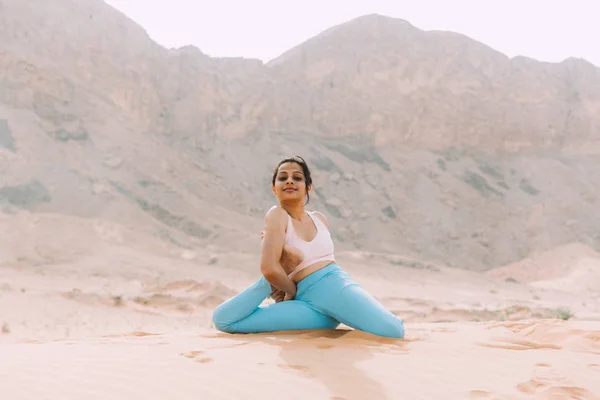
316, 293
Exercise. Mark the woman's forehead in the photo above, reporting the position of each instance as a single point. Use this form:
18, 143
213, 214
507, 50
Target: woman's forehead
290, 168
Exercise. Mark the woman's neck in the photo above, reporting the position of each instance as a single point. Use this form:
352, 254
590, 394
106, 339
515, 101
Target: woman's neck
295, 210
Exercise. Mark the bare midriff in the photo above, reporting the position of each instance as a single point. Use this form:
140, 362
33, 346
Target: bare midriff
309, 270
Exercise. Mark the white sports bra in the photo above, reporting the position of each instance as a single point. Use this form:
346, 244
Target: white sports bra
319, 249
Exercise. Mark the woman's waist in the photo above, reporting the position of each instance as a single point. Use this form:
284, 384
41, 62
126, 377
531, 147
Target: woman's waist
314, 272
311, 259
311, 263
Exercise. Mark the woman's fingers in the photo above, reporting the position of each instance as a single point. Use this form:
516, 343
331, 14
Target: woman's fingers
278, 296
288, 297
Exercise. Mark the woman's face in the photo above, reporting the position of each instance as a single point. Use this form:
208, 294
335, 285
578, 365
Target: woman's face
290, 184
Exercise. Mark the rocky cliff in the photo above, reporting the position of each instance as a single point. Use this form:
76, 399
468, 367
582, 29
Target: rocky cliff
425, 144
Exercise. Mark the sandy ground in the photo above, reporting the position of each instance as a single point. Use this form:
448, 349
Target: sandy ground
99, 311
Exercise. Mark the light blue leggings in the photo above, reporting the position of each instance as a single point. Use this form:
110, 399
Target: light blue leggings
323, 300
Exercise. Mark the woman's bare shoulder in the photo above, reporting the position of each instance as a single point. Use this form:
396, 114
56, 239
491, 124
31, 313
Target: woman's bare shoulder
321, 216
276, 215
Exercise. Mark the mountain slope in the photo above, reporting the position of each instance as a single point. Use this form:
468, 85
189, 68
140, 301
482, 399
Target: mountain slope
425, 144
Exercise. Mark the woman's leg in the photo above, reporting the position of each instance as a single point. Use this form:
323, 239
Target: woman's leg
337, 295
242, 314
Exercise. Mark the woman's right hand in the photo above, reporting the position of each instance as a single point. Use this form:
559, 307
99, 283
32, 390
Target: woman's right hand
278, 295
288, 297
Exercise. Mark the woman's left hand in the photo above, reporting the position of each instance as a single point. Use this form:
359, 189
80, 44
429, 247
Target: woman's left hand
288, 297
277, 295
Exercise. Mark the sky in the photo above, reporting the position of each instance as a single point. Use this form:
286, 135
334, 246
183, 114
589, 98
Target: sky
550, 30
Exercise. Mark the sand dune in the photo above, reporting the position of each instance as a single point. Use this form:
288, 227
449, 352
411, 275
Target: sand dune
536, 360
573, 267
104, 312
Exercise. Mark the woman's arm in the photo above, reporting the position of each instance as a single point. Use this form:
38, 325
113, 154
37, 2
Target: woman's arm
272, 247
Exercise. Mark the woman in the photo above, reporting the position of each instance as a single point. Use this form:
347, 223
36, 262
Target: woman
316, 293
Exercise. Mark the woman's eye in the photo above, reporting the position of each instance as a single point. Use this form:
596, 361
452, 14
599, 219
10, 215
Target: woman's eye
297, 178
283, 178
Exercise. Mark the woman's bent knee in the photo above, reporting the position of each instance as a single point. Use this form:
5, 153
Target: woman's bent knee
221, 322
397, 330
393, 328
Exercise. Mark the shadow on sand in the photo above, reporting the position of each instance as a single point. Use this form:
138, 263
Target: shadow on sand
332, 357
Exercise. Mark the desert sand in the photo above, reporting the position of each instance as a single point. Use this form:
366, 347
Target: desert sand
104, 312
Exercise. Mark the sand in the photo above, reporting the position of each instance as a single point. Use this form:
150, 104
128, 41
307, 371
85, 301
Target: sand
104, 312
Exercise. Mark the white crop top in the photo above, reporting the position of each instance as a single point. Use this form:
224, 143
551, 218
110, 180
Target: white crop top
319, 249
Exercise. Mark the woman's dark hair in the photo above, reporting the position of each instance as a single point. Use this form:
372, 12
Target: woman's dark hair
300, 161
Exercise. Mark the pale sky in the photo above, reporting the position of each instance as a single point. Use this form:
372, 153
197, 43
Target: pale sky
549, 30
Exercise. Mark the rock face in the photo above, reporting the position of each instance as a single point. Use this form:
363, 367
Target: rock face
427, 144
400, 86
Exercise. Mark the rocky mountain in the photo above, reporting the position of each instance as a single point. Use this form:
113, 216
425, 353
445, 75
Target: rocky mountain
425, 144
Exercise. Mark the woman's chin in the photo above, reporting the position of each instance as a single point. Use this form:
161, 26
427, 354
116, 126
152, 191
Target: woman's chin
289, 198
